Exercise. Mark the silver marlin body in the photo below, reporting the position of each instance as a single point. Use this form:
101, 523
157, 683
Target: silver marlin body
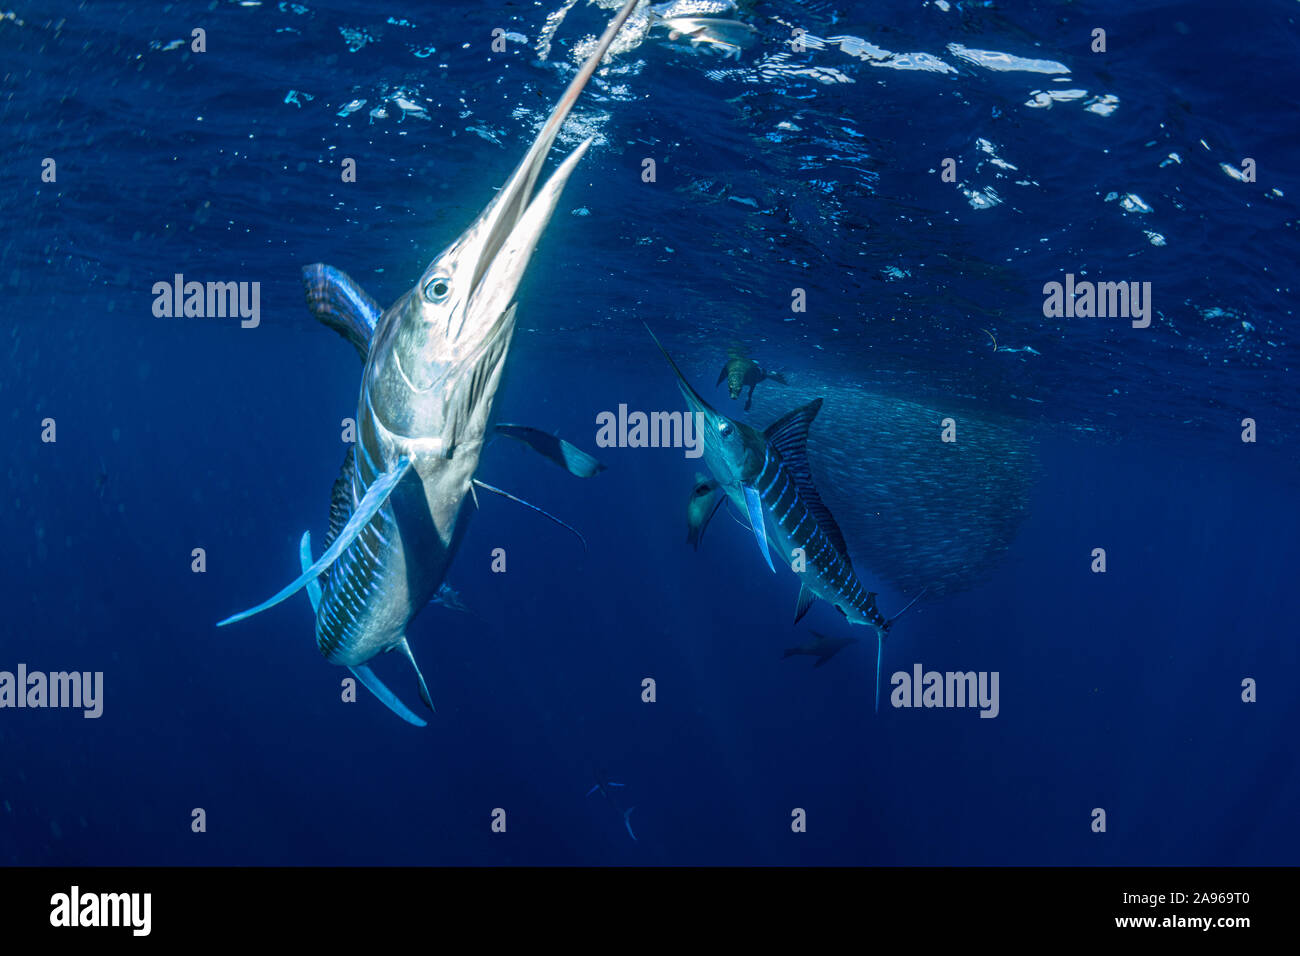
766, 476
433, 363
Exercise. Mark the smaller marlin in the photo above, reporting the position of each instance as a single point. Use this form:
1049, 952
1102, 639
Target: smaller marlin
705, 499
741, 371
766, 475
821, 647
603, 784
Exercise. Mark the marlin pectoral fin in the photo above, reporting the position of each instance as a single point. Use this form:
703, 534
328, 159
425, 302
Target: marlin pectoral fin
376, 687
755, 505
613, 784
695, 534
569, 457
593, 789
337, 301
304, 558
405, 647
801, 606
546, 514
627, 822
374, 499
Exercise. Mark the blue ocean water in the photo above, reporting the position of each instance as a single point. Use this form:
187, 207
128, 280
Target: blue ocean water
777, 169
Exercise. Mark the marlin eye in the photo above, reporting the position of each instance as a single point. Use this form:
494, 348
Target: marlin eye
437, 289
725, 429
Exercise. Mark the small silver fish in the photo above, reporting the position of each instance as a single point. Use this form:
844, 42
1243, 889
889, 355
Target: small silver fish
727, 37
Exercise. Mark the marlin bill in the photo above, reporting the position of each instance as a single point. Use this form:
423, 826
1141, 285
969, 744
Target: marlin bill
765, 475
433, 362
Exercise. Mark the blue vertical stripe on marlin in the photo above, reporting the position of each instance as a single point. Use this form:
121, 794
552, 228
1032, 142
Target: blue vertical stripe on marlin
767, 476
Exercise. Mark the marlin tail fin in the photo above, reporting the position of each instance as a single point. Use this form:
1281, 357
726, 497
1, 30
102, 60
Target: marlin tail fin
880, 640
880, 654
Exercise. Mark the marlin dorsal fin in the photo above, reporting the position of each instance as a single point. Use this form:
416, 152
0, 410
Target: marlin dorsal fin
339, 302
788, 436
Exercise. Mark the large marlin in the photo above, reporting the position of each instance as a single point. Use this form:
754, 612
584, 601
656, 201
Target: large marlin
765, 474
433, 363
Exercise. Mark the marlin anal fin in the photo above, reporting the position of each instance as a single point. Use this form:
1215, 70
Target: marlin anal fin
362, 672
755, 505
339, 302
568, 456
389, 699
801, 606
304, 558
375, 498
546, 514
405, 648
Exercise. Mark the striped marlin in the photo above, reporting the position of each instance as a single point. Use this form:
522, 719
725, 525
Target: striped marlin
766, 476
433, 363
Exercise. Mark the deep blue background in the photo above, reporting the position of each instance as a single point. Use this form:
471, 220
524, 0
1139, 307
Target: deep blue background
1119, 691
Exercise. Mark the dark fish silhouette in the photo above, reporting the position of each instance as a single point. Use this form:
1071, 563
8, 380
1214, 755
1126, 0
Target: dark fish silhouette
604, 785
821, 647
